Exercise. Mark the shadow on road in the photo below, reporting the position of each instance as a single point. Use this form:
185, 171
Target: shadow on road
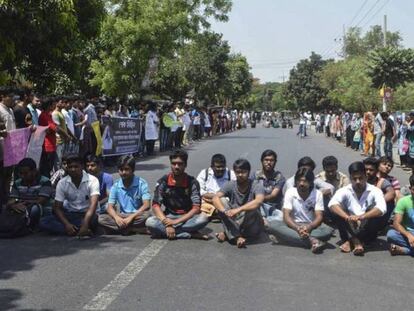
20, 254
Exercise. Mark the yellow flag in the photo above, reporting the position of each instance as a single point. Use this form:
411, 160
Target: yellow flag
382, 90
97, 130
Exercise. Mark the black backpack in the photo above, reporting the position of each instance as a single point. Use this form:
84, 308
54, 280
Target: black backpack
13, 224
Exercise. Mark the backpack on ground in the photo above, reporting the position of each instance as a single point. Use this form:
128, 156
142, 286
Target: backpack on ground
14, 224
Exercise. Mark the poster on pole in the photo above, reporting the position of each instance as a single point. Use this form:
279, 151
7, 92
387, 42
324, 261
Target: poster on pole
120, 136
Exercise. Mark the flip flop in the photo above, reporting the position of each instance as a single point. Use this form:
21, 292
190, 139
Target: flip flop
221, 237
317, 247
345, 250
358, 251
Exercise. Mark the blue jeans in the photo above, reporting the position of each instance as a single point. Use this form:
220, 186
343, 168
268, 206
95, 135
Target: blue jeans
388, 147
378, 144
182, 230
52, 224
394, 237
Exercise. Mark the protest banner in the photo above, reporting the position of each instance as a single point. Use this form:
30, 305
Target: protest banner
34, 150
15, 146
120, 136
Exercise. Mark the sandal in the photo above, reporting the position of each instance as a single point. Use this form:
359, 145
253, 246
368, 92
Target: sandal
317, 246
345, 247
396, 250
221, 237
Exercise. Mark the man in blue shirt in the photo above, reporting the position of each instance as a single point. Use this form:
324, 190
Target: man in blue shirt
93, 165
131, 196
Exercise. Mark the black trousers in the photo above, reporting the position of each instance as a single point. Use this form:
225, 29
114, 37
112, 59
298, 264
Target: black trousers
366, 232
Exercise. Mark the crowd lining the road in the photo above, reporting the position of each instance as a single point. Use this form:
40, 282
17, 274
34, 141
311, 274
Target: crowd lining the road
70, 194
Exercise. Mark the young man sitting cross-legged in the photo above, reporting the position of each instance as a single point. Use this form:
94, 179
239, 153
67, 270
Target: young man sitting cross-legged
238, 205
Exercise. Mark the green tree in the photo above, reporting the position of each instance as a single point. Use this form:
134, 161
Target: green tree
390, 66
349, 86
138, 33
43, 40
304, 84
238, 80
357, 45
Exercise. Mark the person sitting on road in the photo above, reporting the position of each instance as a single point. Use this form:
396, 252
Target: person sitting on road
326, 188
272, 182
31, 193
302, 215
76, 201
211, 180
238, 203
176, 203
356, 207
385, 166
93, 166
401, 237
331, 175
128, 203
371, 168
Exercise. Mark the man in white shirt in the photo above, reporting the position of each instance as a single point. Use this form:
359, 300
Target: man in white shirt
76, 201
302, 215
211, 180
356, 206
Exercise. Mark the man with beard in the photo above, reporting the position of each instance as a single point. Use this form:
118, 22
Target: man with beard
176, 203
211, 180
302, 215
356, 208
372, 171
272, 182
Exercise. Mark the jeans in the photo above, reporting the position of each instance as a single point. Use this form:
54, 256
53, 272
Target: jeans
388, 147
394, 237
289, 236
53, 225
182, 230
378, 144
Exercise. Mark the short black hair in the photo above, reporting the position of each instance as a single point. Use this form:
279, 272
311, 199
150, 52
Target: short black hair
386, 159
218, 158
356, 167
7, 91
126, 160
93, 158
268, 153
179, 153
46, 103
241, 164
27, 162
411, 180
329, 161
74, 158
307, 173
306, 161
371, 161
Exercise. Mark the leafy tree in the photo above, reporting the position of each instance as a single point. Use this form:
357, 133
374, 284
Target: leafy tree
137, 31
238, 81
349, 86
46, 39
390, 66
357, 45
403, 98
304, 84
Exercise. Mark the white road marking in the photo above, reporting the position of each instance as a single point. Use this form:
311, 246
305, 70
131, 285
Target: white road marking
111, 291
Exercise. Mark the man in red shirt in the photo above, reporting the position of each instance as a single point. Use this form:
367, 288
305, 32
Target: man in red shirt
49, 145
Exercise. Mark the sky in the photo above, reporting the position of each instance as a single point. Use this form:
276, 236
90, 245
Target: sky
275, 34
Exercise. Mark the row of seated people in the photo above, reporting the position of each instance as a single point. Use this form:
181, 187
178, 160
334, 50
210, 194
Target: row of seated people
302, 210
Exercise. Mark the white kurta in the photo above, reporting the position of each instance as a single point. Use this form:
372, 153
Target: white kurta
151, 128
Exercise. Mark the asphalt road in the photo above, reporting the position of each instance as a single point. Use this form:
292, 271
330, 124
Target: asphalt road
44, 272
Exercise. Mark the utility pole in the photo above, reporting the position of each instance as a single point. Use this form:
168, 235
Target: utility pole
384, 100
344, 39
283, 76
